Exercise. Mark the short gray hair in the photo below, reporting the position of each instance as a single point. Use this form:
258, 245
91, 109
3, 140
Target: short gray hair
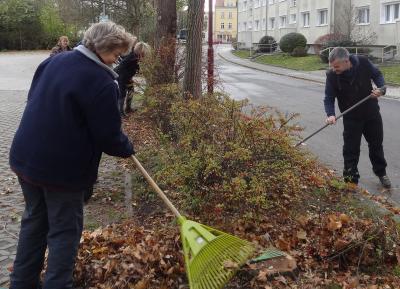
142, 48
106, 37
339, 53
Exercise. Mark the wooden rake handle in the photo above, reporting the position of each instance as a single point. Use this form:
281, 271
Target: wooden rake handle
156, 187
338, 117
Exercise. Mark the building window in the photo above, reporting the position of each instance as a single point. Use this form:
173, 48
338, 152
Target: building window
293, 3
264, 3
257, 3
323, 17
293, 18
222, 15
244, 5
251, 11
250, 25
282, 22
272, 23
264, 24
271, 2
222, 25
306, 19
391, 12
230, 15
363, 15
256, 25
229, 25
244, 26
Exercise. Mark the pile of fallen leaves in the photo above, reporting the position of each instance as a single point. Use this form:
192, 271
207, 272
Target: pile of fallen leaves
130, 256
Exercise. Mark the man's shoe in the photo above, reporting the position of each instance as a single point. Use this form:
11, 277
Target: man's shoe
385, 181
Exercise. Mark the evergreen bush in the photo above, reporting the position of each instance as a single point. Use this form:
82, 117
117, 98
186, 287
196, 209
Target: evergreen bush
292, 40
270, 46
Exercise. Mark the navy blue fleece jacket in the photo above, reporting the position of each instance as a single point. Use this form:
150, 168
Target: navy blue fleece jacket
70, 118
329, 100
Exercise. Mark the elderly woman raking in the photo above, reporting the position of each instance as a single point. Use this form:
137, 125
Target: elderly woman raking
70, 119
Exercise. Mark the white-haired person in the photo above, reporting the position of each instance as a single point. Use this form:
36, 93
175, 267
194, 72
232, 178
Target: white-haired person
70, 119
127, 69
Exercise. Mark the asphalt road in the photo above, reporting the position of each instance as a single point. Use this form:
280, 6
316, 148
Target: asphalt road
291, 95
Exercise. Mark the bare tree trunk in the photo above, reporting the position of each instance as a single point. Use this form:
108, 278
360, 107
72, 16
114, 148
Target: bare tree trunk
192, 79
165, 21
165, 39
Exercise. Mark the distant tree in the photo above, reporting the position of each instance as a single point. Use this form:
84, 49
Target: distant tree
348, 27
19, 24
193, 66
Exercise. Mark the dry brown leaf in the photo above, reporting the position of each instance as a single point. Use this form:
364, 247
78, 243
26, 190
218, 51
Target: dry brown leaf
262, 275
344, 219
228, 264
302, 235
142, 284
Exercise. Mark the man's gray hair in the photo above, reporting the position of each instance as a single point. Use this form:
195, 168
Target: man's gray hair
106, 37
339, 53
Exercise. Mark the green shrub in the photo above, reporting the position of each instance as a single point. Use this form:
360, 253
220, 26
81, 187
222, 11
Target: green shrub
271, 44
292, 40
157, 104
221, 156
299, 52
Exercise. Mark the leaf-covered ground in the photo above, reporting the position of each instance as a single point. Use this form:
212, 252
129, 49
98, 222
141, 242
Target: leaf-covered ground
337, 241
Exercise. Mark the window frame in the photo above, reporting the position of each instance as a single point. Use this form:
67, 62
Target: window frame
319, 13
359, 10
303, 14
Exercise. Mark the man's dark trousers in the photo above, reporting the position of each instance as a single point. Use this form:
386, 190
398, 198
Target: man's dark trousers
372, 129
53, 219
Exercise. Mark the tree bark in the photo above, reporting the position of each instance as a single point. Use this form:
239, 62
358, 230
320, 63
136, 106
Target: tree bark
165, 21
192, 79
165, 39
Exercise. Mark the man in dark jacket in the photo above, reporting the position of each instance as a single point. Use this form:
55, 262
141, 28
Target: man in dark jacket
70, 119
349, 80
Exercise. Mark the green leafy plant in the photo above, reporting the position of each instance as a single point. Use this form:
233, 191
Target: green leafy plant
292, 40
269, 42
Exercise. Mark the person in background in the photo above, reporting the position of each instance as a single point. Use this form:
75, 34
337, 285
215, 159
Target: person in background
126, 69
61, 46
349, 80
70, 119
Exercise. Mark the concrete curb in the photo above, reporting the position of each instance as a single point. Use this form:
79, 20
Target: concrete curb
269, 71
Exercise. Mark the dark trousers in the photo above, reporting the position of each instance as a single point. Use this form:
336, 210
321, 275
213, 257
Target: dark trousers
52, 219
372, 129
121, 99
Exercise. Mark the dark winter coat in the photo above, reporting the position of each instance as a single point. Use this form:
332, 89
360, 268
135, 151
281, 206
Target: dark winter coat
126, 69
70, 118
352, 86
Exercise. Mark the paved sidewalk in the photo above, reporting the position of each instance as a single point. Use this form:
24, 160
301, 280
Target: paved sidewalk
11, 200
315, 76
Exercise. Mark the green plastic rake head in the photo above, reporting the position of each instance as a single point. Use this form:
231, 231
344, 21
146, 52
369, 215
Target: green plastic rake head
211, 256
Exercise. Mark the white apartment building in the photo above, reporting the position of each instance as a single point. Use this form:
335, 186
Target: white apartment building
377, 19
